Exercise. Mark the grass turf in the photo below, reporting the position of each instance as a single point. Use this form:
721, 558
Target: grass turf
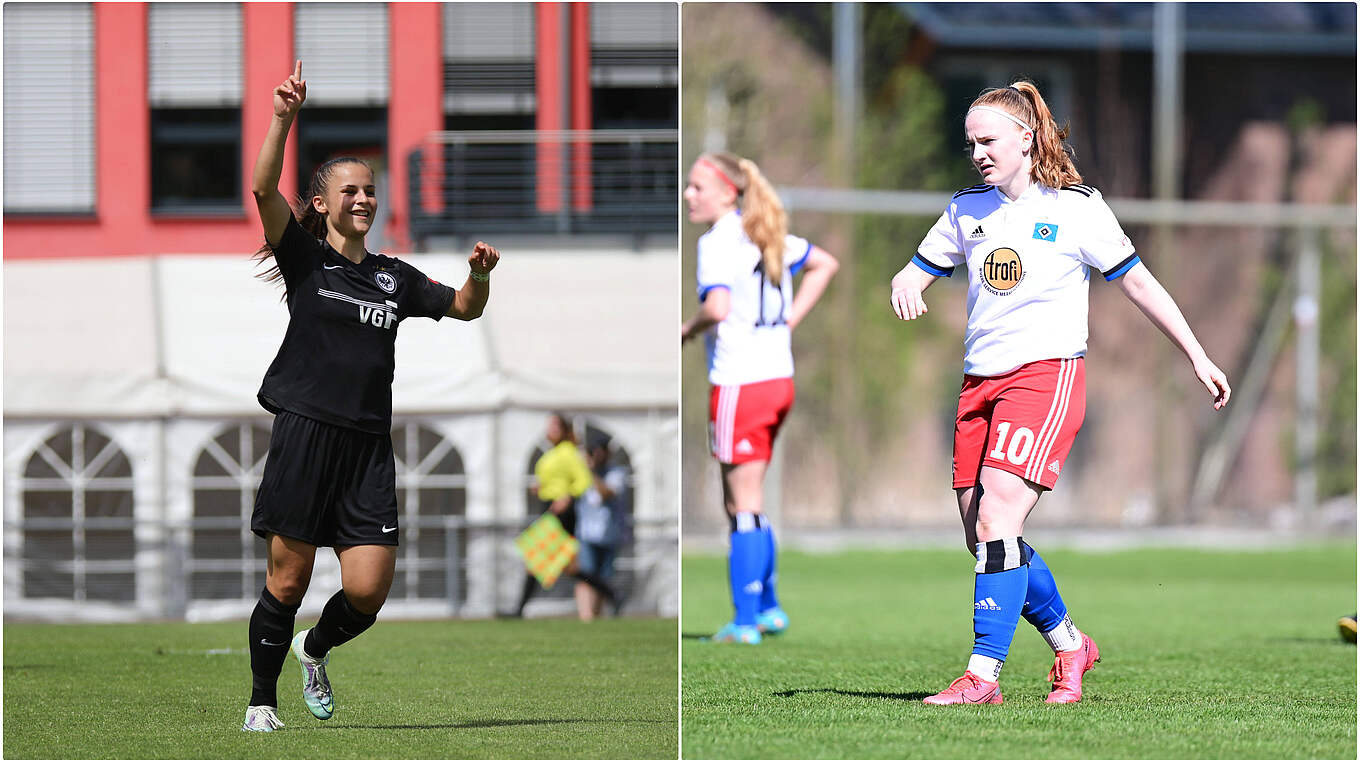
468, 689
1205, 654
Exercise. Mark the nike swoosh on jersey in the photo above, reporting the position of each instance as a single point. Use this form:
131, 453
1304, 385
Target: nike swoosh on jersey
329, 266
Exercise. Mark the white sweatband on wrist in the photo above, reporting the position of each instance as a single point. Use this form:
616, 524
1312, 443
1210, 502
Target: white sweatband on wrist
1006, 114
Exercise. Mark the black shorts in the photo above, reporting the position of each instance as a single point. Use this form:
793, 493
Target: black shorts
327, 485
567, 518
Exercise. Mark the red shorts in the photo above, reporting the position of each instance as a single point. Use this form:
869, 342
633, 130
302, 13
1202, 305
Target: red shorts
744, 419
1022, 422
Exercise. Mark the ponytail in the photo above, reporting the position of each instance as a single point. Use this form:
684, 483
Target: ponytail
1051, 158
311, 220
762, 213
763, 218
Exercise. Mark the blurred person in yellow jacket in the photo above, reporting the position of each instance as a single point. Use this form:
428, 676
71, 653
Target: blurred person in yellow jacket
562, 476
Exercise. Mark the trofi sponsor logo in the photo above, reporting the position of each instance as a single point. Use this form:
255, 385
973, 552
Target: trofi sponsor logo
1002, 271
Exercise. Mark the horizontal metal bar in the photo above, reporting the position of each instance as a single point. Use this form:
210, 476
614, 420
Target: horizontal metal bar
558, 136
1128, 210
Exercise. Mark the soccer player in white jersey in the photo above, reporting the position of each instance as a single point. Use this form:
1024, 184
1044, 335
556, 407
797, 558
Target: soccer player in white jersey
748, 309
1027, 238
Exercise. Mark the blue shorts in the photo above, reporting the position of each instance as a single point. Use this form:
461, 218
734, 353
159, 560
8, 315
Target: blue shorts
597, 559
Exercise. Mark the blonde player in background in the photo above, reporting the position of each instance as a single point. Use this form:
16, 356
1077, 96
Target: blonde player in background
1028, 237
748, 310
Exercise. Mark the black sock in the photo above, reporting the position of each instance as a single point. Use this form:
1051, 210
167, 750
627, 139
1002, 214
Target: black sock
530, 585
271, 631
339, 623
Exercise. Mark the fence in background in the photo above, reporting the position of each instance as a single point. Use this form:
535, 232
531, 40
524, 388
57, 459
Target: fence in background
604, 182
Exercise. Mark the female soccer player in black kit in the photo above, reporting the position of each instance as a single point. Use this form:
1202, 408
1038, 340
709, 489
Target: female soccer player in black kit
330, 479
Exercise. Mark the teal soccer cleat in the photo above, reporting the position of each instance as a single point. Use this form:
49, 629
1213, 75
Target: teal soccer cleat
772, 620
737, 634
316, 690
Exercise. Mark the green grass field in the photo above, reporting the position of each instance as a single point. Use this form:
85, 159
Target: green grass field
1205, 654
467, 689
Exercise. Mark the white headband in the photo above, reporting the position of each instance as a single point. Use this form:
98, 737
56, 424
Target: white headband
1022, 124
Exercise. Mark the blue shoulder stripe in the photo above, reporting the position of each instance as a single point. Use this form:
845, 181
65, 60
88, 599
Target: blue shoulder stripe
703, 290
930, 268
798, 265
1121, 268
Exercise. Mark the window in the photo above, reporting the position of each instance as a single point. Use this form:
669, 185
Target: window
343, 47
49, 108
432, 502
195, 160
77, 528
226, 560
194, 89
633, 76
489, 51
634, 45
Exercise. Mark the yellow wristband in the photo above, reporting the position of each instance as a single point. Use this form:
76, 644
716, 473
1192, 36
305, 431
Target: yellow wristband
480, 277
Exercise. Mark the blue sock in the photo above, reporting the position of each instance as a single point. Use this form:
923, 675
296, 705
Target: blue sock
768, 600
1044, 607
745, 566
998, 596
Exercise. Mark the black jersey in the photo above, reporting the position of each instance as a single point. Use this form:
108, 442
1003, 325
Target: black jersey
338, 355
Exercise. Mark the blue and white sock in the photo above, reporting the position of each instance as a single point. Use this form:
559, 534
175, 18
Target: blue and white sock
745, 567
768, 600
1044, 607
999, 584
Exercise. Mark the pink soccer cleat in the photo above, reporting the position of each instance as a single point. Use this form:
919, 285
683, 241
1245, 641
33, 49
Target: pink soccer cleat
968, 689
1068, 668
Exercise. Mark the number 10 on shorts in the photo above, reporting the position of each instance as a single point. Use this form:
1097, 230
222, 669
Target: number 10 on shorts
1021, 444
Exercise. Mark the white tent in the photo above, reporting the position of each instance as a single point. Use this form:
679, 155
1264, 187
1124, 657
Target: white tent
162, 356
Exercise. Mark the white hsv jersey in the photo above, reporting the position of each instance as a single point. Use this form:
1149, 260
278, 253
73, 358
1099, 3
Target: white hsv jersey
752, 343
1029, 263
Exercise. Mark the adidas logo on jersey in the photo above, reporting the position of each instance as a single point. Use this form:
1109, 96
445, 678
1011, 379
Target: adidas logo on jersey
987, 604
1053, 467
977, 233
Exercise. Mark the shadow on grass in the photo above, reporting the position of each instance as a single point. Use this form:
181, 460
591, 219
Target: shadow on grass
910, 696
1325, 641
695, 636
501, 723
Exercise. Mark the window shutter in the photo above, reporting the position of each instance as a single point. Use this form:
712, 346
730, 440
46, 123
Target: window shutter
634, 25
49, 107
634, 44
489, 51
194, 54
489, 31
343, 47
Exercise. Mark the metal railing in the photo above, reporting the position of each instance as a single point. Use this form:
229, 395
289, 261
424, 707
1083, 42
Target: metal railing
565, 182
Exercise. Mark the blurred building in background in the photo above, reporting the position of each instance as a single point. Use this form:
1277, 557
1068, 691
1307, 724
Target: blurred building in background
1223, 135
136, 337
